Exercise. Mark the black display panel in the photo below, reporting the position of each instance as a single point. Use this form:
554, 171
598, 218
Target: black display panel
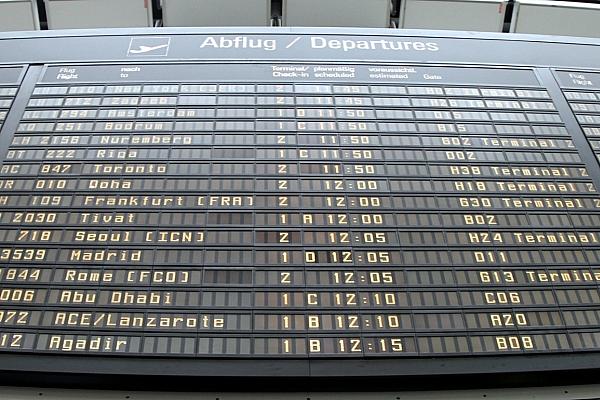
9, 80
215, 217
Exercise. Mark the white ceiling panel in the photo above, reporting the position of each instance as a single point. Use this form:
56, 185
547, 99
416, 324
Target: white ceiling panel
469, 15
556, 18
18, 15
67, 14
216, 12
360, 13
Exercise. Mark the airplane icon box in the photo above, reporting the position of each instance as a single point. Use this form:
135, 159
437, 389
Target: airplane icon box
149, 46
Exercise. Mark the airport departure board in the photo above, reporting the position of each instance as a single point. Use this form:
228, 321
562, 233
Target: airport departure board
215, 198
